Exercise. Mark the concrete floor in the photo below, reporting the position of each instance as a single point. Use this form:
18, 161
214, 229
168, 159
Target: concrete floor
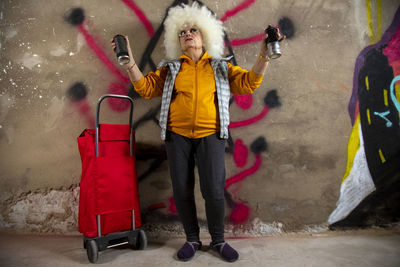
376, 247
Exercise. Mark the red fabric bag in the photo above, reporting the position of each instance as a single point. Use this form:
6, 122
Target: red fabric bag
109, 186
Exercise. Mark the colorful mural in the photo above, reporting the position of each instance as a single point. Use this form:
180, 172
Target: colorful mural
284, 161
370, 187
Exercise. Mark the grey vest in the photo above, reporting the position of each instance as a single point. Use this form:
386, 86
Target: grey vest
220, 68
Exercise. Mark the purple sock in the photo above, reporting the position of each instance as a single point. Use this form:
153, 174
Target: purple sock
188, 250
225, 251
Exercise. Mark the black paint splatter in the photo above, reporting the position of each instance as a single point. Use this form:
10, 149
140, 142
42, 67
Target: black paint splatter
75, 16
77, 92
287, 27
272, 99
259, 145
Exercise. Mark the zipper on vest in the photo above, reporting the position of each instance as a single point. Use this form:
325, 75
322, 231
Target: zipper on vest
196, 89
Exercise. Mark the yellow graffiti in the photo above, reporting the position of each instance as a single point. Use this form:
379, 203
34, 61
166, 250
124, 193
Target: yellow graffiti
385, 97
382, 157
352, 147
367, 83
370, 26
378, 18
397, 93
369, 117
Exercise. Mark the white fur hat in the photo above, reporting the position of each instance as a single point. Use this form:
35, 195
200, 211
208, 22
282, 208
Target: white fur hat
211, 29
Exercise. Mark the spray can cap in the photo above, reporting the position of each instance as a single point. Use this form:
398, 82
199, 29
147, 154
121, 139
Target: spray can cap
272, 34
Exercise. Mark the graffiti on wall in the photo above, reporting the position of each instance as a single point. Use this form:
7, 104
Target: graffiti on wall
371, 182
77, 94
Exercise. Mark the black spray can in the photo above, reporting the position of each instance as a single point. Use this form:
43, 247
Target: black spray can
273, 43
121, 49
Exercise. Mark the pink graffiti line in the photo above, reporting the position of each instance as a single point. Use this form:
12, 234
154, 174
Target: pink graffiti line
240, 153
172, 206
240, 213
243, 101
247, 122
84, 108
102, 56
242, 175
141, 16
252, 39
232, 12
158, 205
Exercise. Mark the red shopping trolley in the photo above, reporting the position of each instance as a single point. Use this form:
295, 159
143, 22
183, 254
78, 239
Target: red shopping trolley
109, 212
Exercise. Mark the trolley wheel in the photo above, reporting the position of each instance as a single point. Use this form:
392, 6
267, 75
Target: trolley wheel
92, 251
141, 242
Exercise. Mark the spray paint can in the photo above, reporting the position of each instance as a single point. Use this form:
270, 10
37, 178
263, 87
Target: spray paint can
121, 49
273, 42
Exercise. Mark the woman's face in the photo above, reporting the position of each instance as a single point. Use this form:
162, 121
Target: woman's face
190, 37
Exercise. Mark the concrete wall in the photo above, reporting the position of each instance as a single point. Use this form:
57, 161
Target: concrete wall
52, 74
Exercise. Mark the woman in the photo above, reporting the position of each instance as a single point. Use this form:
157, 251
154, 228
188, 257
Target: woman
195, 85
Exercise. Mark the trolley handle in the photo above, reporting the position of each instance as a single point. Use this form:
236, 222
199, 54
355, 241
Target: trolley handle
97, 122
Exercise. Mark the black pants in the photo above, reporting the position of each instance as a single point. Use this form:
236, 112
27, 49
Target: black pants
209, 154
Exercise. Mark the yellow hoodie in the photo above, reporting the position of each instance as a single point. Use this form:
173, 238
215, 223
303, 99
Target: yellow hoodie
194, 105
